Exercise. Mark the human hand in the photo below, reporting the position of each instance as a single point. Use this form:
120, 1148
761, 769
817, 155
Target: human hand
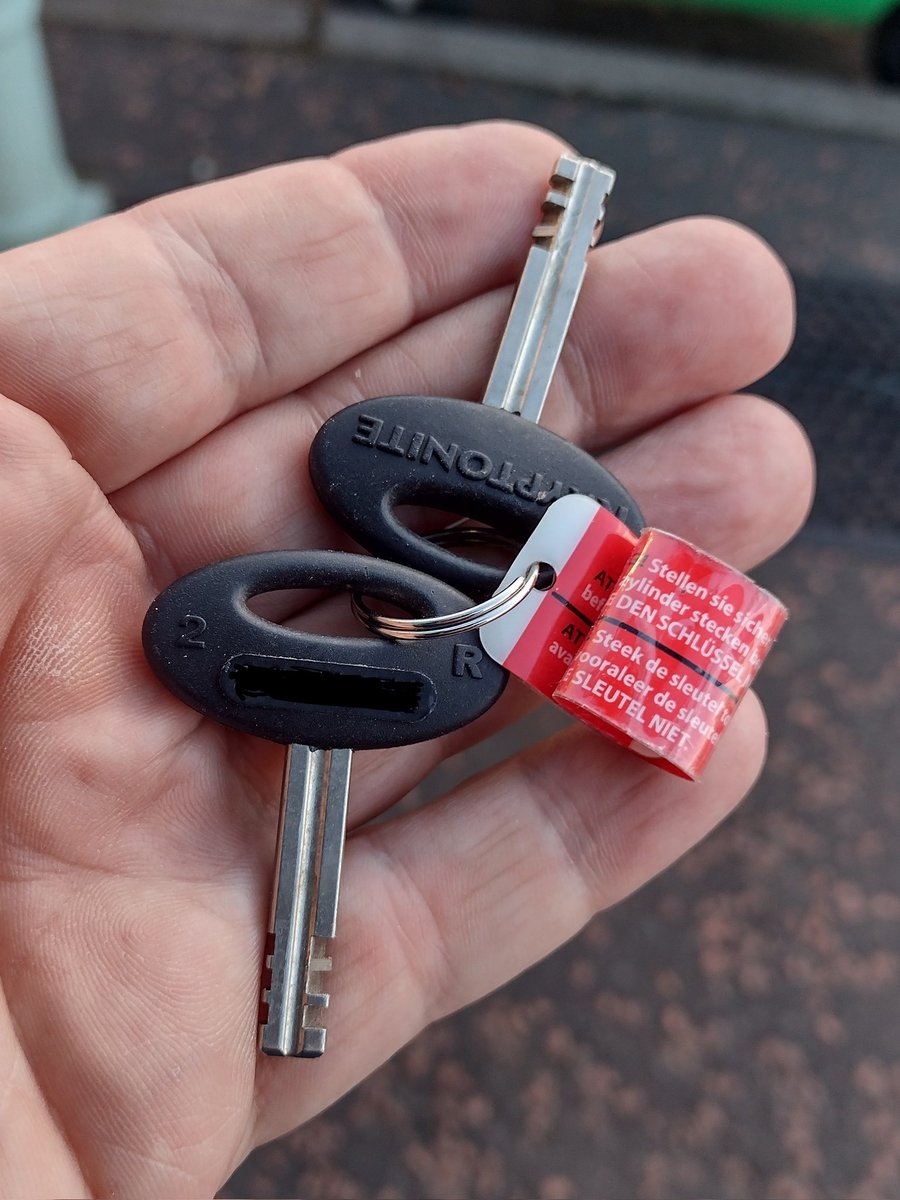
162, 373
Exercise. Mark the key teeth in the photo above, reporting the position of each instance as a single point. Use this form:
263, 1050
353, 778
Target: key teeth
566, 169
557, 199
313, 1042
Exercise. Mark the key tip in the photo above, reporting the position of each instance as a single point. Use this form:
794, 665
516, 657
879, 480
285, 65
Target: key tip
569, 166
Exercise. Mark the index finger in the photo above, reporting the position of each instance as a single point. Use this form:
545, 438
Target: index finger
138, 335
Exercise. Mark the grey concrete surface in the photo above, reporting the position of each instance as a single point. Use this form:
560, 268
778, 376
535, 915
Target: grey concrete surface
558, 64
622, 74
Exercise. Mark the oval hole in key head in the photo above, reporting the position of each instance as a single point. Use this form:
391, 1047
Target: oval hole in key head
290, 686
465, 458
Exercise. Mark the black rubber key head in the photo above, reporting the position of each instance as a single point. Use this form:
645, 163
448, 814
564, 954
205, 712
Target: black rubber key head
482, 463
216, 655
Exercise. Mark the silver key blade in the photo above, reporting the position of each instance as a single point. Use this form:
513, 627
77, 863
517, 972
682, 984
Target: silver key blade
305, 896
548, 290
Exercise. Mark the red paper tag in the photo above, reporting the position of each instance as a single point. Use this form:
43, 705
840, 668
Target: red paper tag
674, 650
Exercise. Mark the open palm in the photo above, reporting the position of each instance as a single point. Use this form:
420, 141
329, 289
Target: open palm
161, 376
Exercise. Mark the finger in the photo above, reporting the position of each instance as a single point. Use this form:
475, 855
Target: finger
35, 1158
742, 488
442, 906
733, 475
210, 502
45, 500
137, 335
702, 309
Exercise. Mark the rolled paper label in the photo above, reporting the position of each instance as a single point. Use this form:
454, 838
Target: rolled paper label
674, 650
588, 549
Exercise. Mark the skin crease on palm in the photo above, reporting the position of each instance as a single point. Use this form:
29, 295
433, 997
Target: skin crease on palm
161, 375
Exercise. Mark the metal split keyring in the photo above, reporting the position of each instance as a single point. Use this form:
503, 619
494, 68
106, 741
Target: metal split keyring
410, 629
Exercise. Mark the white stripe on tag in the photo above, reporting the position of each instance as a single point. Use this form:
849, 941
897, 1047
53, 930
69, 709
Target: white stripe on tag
553, 541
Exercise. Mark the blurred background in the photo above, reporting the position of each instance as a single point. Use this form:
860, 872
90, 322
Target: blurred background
731, 1031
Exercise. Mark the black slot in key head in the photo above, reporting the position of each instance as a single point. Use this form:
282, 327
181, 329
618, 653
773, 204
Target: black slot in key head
480, 462
289, 686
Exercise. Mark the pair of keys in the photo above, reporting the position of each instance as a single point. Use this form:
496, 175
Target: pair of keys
325, 696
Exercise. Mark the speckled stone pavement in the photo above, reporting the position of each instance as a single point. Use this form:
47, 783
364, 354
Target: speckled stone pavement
732, 1031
